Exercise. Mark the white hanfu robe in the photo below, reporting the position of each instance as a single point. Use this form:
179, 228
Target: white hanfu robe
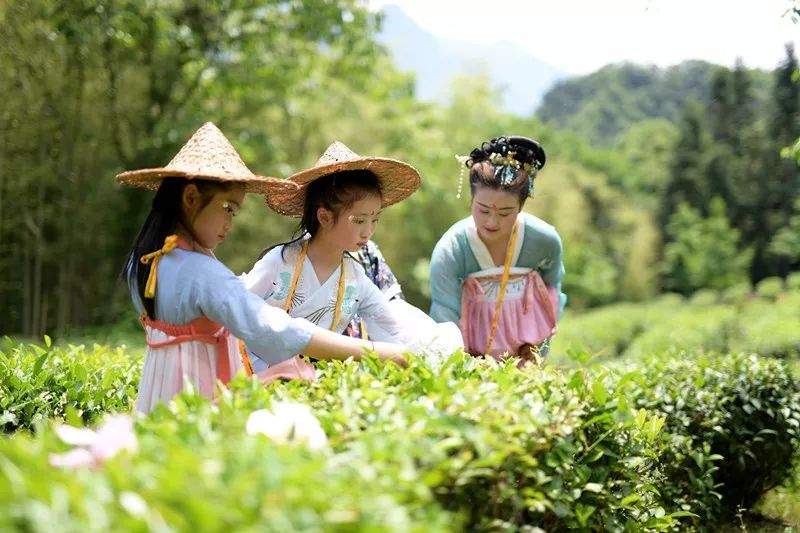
315, 300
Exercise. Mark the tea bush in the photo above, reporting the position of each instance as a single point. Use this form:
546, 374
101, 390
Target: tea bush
465, 444
670, 325
76, 383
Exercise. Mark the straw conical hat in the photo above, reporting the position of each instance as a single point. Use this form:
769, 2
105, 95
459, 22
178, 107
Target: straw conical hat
397, 180
206, 155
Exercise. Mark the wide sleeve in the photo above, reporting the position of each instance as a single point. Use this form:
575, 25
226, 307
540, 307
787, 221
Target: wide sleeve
553, 270
445, 281
268, 331
375, 309
400, 322
260, 279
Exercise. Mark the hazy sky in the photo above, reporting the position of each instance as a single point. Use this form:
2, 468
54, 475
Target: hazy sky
581, 36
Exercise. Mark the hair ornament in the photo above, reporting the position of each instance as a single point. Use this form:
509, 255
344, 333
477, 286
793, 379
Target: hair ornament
464, 163
508, 155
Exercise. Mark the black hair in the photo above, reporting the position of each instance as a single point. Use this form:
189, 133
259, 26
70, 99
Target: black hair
165, 215
335, 192
526, 151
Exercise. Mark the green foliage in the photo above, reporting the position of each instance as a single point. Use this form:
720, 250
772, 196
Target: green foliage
673, 325
741, 423
786, 242
770, 328
703, 252
655, 444
603, 105
736, 293
770, 288
704, 297
104, 86
793, 282
649, 146
75, 383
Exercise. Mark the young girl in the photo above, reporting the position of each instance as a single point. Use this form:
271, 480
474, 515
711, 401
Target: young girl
499, 271
315, 276
191, 304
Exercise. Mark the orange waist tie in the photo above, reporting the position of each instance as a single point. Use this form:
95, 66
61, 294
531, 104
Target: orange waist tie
200, 329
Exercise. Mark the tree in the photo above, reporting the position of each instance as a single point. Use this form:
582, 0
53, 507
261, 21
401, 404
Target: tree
97, 87
782, 186
703, 252
786, 243
687, 182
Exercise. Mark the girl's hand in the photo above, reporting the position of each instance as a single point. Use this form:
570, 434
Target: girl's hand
388, 351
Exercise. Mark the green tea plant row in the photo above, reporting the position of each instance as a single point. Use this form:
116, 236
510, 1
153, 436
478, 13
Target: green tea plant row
75, 383
768, 325
460, 444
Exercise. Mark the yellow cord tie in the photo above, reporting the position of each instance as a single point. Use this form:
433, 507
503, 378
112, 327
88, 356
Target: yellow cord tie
298, 268
169, 244
512, 241
337, 310
248, 368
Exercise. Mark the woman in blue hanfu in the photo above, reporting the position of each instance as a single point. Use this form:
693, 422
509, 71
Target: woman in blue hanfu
498, 272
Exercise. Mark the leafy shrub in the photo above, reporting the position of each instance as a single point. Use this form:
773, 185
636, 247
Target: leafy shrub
739, 414
754, 325
73, 382
654, 444
736, 294
704, 297
769, 288
770, 328
793, 282
686, 329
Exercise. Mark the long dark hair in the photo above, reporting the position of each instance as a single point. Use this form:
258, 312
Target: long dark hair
526, 151
165, 215
334, 192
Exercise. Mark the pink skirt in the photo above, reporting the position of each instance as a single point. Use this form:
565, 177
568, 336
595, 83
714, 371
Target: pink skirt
529, 318
174, 363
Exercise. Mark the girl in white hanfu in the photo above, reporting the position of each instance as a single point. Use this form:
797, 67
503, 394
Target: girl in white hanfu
315, 277
193, 308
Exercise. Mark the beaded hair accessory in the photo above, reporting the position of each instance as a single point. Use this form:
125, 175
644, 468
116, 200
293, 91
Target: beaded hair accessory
508, 155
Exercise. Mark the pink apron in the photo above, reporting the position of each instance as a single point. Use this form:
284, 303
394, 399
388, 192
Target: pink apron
528, 313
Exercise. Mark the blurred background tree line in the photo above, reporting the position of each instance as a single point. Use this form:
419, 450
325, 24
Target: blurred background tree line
657, 179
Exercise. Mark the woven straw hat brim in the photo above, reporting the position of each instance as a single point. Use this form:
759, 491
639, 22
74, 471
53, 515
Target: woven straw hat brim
150, 178
397, 180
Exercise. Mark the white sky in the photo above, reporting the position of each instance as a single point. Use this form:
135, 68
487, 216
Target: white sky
580, 36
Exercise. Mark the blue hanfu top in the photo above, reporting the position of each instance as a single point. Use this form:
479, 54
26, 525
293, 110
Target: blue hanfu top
192, 285
460, 252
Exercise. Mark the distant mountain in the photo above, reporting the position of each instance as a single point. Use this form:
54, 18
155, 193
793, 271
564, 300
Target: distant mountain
605, 103
437, 61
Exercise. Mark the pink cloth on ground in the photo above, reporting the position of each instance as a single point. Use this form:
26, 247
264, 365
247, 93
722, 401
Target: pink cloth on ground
294, 368
530, 319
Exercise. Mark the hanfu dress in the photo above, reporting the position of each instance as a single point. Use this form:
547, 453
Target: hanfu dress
499, 308
201, 310
285, 278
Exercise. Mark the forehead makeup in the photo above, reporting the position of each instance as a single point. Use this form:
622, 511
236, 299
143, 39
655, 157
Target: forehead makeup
493, 206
